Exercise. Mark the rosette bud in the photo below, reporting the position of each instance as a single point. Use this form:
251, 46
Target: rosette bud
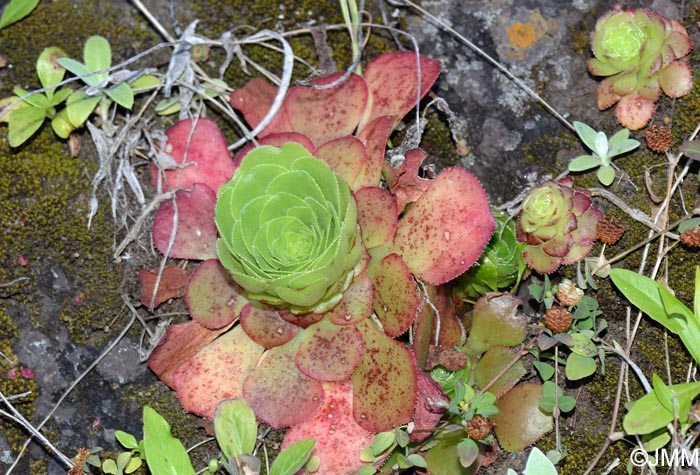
288, 229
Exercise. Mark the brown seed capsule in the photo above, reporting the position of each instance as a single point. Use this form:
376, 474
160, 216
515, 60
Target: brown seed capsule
659, 138
558, 319
609, 229
568, 294
691, 237
479, 427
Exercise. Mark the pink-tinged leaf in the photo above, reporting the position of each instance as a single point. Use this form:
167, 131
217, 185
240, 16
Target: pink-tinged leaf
384, 383
265, 326
606, 97
339, 439
396, 299
203, 152
278, 392
277, 140
375, 136
329, 352
196, 232
357, 303
634, 112
212, 297
326, 114
254, 100
496, 321
172, 285
377, 214
392, 79
520, 422
405, 183
303, 320
492, 364
347, 157
676, 79
432, 403
216, 372
445, 231
179, 343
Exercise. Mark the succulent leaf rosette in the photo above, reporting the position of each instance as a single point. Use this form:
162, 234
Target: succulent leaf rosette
310, 265
288, 228
639, 52
558, 223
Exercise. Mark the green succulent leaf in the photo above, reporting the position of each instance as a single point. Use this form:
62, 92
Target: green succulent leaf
16, 10
48, 69
584, 162
79, 106
587, 134
606, 175
98, 56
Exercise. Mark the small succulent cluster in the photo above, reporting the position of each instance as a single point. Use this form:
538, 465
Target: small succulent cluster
639, 52
558, 222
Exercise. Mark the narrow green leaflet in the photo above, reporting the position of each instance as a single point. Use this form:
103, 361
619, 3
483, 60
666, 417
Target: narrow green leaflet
648, 414
291, 459
121, 94
16, 10
586, 133
23, 123
235, 427
382, 442
98, 56
127, 440
48, 69
584, 162
165, 455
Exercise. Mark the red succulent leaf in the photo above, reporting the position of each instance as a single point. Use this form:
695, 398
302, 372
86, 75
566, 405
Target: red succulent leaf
445, 231
303, 320
254, 100
179, 343
329, 352
392, 80
384, 383
212, 297
276, 139
356, 304
172, 285
377, 214
196, 233
347, 157
339, 439
396, 299
278, 392
447, 356
451, 330
405, 184
327, 114
520, 422
606, 95
265, 326
634, 111
432, 403
375, 135
676, 79
216, 372
201, 148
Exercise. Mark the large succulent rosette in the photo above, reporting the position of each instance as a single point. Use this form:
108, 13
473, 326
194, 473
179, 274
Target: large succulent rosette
558, 223
288, 228
639, 52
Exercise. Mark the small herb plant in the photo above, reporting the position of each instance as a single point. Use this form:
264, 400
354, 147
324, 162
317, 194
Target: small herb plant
604, 150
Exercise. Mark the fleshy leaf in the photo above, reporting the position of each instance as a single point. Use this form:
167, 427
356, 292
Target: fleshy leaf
47, 67
405, 183
254, 101
196, 231
375, 136
179, 343
386, 368
396, 299
327, 114
202, 151
492, 363
339, 439
172, 284
634, 112
266, 327
276, 139
446, 230
23, 123
347, 157
216, 372
377, 214
676, 79
520, 422
496, 322
432, 403
329, 352
392, 80
357, 303
212, 297
278, 392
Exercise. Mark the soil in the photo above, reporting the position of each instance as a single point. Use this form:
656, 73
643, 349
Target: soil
68, 305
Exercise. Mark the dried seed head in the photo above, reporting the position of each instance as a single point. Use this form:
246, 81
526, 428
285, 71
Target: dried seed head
479, 427
568, 294
558, 319
659, 138
609, 229
691, 237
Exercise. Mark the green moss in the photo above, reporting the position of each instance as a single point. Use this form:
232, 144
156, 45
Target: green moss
13, 432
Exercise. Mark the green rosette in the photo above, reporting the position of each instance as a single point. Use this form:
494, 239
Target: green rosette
288, 229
